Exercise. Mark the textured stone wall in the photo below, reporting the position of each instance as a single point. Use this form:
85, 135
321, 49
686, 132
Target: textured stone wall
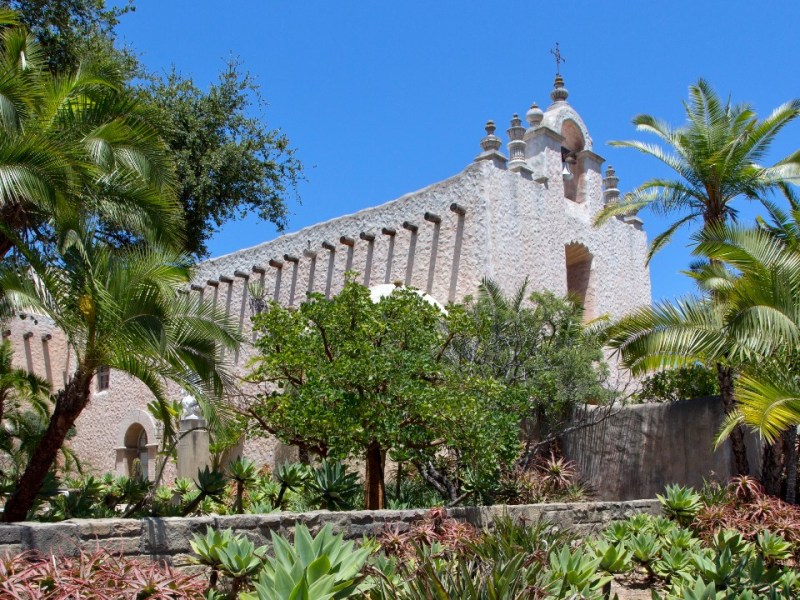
640, 449
168, 538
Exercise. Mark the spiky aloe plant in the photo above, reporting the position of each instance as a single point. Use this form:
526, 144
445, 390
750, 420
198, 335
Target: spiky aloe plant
243, 473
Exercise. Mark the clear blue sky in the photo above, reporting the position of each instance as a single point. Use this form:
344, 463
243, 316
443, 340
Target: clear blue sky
382, 98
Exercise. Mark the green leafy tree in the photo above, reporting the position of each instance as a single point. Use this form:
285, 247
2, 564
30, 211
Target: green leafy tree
536, 345
673, 385
119, 308
70, 31
350, 377
228, 162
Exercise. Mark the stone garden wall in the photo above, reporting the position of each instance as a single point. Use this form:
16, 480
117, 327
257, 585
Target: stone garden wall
168, 538
640, 449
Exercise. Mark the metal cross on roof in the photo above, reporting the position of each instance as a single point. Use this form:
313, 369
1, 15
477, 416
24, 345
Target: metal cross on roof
559, 58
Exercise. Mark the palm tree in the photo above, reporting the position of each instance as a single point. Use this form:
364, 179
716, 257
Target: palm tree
120, 308
748, 323
716, 157
72, 144
24, 410
763, 297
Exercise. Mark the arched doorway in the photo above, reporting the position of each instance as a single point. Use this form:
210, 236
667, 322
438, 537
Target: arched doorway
580, 281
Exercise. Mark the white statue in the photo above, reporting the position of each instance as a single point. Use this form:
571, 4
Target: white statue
191, 408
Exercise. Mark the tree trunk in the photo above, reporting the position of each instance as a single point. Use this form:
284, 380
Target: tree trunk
69, 403
373, 481
791, 465
772, 467
739, 463
398, 481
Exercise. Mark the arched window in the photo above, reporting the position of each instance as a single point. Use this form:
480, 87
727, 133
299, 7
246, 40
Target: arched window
580, 282
573, 167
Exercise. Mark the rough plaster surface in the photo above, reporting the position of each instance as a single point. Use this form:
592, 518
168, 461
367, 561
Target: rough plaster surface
642, 448
515, 226
168, 538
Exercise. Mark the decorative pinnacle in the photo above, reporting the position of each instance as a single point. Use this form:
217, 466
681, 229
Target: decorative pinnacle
516, 145
516, 131
534, 116
559, 93
491, 143
610, 182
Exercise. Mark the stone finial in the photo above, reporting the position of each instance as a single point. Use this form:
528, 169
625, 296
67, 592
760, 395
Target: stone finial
559, 93
516, 145
610, 181
534, 116
491, 143
491, 147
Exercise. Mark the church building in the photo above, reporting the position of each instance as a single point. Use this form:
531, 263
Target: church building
522, 209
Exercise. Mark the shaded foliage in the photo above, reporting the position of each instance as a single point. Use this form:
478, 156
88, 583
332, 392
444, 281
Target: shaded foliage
673, 385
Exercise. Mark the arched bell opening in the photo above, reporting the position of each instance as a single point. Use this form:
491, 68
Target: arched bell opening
572, 168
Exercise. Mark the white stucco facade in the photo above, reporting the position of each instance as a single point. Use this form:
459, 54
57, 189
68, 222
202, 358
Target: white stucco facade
504, 216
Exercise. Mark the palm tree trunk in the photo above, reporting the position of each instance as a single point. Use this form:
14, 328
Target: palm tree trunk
5, 245
373, 480
791, 465
69, 404
772, 467
739, 463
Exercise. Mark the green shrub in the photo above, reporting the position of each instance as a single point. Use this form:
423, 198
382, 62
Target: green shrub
679, 384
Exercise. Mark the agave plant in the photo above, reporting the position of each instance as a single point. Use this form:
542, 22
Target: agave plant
207, 549
680, 503
645, 548
291, 476
673, 563
773, 547
240, 560
574, 574
331, 487
210, 484
243, 473
314, 568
